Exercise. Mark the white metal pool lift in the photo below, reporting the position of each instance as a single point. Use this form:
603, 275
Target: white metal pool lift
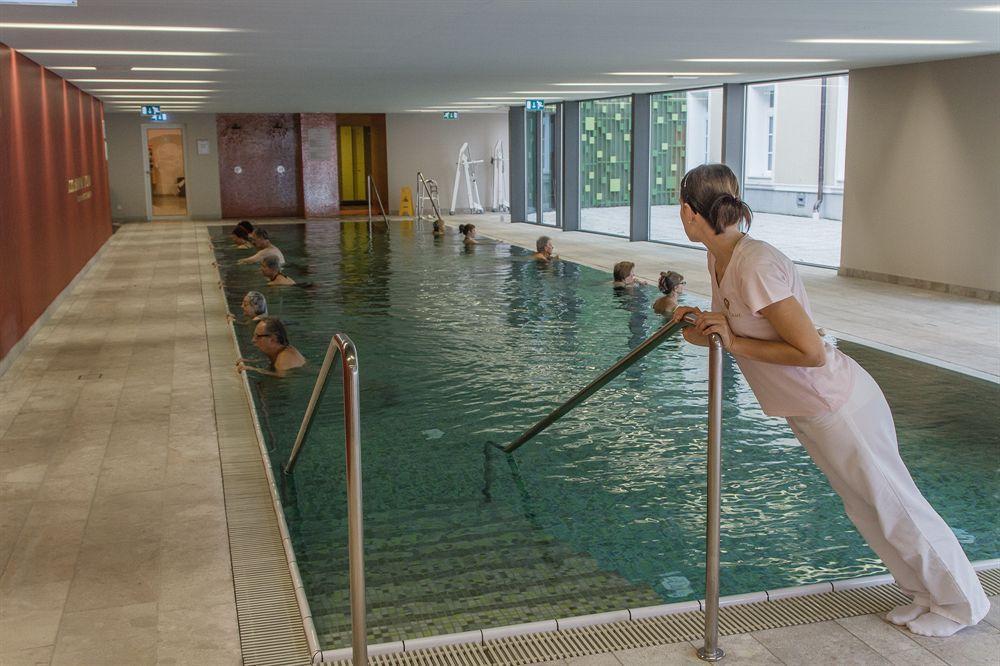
501, 203
465, 161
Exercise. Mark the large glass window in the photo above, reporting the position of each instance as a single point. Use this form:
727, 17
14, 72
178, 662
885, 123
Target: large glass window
531, 153
550, 166
685, 131
796, 134
605, 162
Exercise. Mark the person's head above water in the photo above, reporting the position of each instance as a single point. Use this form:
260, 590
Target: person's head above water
711, 193
270, 336
240, 234
270, 267
246, 225
544, 245
261, 238
467, 230
671, 283
254, 304
624, 272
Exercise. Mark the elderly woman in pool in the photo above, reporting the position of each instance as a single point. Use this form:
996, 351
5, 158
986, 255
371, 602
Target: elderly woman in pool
254, 307
271, 337
671, 285
836, 410
544, 250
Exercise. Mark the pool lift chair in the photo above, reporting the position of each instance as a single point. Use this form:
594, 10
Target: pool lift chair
501, 201
467, 166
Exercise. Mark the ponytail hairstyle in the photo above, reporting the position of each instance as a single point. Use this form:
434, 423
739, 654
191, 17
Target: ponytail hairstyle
464, 229
669, 281
712, 191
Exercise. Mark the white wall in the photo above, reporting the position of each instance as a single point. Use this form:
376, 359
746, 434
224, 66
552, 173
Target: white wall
923, 172
127, 172
427, 142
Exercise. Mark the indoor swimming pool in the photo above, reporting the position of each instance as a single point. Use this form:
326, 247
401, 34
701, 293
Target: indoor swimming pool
460, 346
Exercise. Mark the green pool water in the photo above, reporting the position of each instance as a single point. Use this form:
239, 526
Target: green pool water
459, 346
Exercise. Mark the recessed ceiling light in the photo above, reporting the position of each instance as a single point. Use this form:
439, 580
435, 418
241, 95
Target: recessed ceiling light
100, 26
859, 40
673, 73
185, 54
986, 8
141, 81
158, 95
558, 92
54, 3
630, 83
177, 69
759, 60
75, 67
503, 99
149, 90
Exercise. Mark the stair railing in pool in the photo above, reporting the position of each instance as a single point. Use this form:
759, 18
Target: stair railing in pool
431, 192
341, 345
374, 188
711, 650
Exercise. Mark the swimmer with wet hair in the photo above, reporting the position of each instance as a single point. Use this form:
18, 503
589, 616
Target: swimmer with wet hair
241, 237
671, 284
262, 241
624, 273
544, 249
438, 227
271, 269
271, 337
469, 233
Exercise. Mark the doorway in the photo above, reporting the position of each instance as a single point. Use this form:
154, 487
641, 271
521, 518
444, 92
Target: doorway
354, 146
166, 172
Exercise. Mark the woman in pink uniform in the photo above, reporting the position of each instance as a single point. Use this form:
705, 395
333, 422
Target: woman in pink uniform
836, 410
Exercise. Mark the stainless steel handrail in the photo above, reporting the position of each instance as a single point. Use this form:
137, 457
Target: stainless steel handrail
373, 187
341, 345
424, 182
647, 345
711, 650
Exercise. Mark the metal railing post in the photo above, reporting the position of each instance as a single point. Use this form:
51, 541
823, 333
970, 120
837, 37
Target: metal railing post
711, 650
341, 345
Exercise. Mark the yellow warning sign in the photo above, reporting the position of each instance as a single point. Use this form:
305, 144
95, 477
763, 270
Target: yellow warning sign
406, 202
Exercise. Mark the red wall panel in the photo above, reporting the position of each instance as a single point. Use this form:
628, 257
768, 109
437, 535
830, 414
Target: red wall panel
51, 133
258, 143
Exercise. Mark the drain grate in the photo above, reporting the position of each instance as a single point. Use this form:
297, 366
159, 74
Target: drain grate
664, 630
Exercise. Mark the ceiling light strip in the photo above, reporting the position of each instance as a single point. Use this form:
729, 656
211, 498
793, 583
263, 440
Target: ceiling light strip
114, 27
183, 54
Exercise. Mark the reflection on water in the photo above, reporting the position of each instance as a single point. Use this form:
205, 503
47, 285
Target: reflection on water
460, 346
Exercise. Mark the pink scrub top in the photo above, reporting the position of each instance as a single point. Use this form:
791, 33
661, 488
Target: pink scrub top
757, 276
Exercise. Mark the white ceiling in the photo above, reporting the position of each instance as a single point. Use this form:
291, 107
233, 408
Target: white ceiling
396, 55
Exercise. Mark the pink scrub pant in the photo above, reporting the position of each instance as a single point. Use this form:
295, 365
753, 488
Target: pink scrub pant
856, 448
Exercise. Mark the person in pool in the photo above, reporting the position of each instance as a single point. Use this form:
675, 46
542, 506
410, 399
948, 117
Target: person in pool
469, 233
834, 407
241, 237
254, 307
271, 269
671, 284
544, 249
624, 274
438, 227
262, 241
271, 337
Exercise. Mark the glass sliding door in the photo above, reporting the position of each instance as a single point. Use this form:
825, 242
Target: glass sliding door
605, 163
531, 163
685, 131
796, 133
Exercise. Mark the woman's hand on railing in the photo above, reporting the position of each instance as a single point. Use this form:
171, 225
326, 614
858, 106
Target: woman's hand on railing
709, 323
682, 311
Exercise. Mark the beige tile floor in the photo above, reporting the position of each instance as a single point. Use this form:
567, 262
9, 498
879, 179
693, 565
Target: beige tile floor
109, 458
942, 328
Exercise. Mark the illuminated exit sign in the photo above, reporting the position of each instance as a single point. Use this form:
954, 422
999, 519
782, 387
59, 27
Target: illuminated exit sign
450, 115
534, 104
158, 117
149, 109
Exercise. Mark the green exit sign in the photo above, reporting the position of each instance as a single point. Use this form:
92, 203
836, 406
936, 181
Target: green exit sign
450, 115
149, 109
